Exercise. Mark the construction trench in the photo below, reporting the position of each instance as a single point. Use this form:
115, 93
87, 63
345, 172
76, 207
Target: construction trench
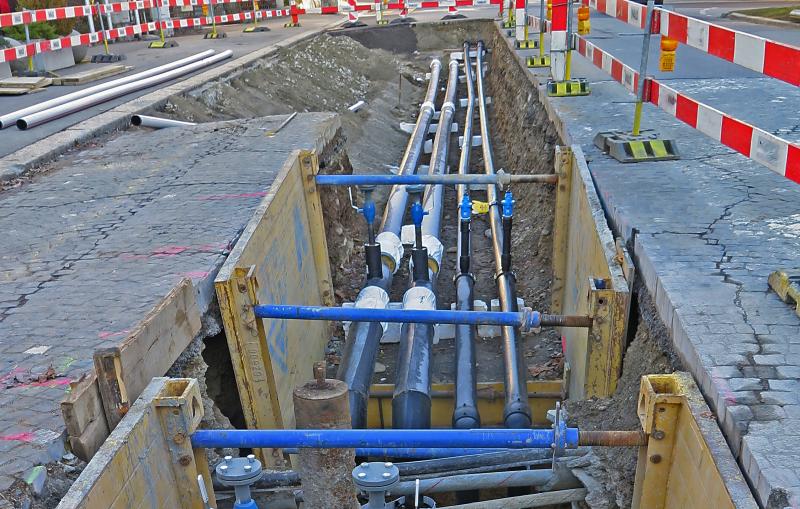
473, 247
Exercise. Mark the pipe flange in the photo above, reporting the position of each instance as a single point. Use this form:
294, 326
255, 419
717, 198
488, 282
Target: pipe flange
238, 471
376, 476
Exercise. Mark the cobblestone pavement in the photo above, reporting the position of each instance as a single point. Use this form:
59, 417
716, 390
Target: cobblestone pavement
707, 231
89, 248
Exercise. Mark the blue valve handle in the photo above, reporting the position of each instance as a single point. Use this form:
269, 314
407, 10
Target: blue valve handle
417, 213
466, 208
508, 204
369, 211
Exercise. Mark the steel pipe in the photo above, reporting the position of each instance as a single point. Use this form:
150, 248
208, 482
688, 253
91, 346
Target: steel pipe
414, 452
389, 438
363, 338
34, 119
517, 413
10, 119
613, 438
469, 482
157, 122
465, 411
500, 178
411, 401
549, 498
525, 319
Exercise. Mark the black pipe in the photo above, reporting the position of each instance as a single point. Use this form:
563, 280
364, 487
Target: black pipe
517, 413
465, 413
363, 338
411, 401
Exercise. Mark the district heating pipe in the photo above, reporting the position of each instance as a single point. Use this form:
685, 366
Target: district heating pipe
516, 413
10, 119
470, 482
500, 178
465, 411
524, 319
411, 401
382, 438
363, 338
34, 119
157, 122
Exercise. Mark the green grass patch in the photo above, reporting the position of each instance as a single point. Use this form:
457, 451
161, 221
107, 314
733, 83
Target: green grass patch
781, 13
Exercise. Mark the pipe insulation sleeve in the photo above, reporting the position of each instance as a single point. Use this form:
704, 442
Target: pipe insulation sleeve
391, 249
373, 297
435, 254
427, 105
419, 297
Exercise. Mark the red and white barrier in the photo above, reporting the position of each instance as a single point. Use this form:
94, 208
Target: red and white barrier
520, 19
558, 40
771, 58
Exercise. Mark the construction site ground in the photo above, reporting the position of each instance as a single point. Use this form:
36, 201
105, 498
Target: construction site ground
705, 233
98, 238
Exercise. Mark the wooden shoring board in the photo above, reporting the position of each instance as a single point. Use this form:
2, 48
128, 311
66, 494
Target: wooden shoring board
280, 258
97, 73
148, 460
95, 405
586, 265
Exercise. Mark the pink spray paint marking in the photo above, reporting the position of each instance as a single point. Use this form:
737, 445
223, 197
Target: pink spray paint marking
170, 250
110, 334
197, 274
16, 370
213, 197
26, 436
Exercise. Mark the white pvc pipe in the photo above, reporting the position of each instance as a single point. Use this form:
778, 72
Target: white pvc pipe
10, 119
85, 102
157, 122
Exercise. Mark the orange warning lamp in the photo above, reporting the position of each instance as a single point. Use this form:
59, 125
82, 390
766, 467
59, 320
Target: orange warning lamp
666, 58
550, 10
584, 25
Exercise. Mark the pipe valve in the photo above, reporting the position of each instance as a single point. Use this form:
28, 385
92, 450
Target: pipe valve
372, 249
508, 205
466, 208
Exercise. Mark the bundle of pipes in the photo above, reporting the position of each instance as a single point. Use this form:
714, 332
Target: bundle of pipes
384, 253
69, 103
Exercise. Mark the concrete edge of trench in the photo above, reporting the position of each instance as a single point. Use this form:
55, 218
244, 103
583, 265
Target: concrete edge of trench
22, 161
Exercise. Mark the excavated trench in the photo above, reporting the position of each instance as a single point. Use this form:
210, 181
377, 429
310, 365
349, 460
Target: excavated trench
386, 68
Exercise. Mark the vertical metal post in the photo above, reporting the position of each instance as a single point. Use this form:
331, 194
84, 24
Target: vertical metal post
102, 27
90, 16
542, 25
213, 19
648, 27
568, 63
108, 15
27, 42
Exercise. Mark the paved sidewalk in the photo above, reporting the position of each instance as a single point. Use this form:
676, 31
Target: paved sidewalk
90, 248
708, 229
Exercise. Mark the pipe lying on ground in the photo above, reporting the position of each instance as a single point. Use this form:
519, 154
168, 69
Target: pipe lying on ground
363, 338
468, 482
34, 119
525, 501
157, 122
500, 178
10, 119
356, 438
465, 411
525, 319
411, 402
517, 413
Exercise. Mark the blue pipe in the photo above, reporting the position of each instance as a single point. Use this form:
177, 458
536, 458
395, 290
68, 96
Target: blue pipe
524, 319
412, 452
427, 179
382, 438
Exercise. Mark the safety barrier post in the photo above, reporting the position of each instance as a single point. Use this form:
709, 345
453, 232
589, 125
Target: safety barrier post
107, 56
562, 83
540, 60
294, 11
162, 42
636, 146
508, 15
90, 16
213, 34
521, 22
379, 19
255, 27
27, 42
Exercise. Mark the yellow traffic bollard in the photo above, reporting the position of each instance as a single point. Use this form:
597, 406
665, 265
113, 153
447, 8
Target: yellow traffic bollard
549, 10
666, 59
584, 25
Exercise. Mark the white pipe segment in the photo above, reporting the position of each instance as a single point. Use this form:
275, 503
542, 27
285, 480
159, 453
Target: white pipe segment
10, 119
157, 122
85, 102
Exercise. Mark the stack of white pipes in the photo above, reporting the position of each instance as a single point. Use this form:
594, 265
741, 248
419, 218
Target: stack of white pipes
82, 99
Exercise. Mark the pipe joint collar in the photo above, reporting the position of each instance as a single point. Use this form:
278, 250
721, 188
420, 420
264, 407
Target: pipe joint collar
373, 297
419, 297
427, 105
391, 250
448, 106
435, 253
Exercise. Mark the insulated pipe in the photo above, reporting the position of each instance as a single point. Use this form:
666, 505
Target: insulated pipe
55, 112
10, 119
465, 411
548, 498
414, 452
157, 122
356, 438
363, 338
411, 401
525, 319
517, 413
500, 178
469, 482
